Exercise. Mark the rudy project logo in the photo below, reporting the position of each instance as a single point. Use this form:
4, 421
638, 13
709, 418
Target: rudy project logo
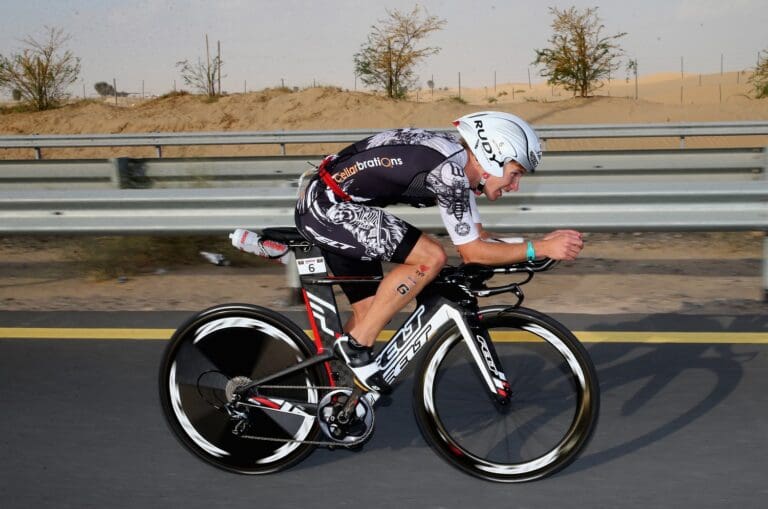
376, 162
488, 145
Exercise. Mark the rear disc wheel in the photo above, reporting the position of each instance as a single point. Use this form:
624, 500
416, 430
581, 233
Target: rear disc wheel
220, 350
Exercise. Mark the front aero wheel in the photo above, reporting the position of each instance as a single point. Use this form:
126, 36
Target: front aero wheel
224, 348
549, 419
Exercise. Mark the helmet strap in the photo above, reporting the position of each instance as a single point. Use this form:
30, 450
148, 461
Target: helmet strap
481, 185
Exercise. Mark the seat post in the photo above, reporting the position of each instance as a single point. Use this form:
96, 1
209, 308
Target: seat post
322, 310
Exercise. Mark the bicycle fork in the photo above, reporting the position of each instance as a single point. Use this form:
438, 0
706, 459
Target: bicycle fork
483, 352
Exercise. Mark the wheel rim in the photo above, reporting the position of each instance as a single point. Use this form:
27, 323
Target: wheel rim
226, 349
543, 425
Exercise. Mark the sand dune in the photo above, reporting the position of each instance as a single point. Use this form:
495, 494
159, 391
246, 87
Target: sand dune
717, 98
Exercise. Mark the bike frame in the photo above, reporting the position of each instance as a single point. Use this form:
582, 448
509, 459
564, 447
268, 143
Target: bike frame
438, 306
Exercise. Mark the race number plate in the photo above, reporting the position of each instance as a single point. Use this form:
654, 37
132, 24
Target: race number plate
311, 266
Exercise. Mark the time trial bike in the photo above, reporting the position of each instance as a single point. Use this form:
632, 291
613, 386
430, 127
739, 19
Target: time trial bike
502, 392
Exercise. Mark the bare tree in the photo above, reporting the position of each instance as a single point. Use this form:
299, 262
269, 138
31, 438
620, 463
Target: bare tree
632, 67
389, 57
759, 78
205, 76
578, 56
42, 71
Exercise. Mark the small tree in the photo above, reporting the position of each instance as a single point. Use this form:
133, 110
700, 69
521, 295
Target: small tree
389, 57
205, 76
578, 57
632, 67
759, 78
42, 71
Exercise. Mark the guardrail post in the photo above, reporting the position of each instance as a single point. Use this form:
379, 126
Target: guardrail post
129, 174
765, 232
682, 141
765, 266
295, 296
38, 153
115, 175
159, 149
282, 149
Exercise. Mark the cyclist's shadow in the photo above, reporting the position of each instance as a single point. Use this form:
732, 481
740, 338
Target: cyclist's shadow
635, 379
650, 391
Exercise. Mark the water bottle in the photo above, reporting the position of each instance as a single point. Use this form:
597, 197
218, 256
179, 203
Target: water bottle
252, 242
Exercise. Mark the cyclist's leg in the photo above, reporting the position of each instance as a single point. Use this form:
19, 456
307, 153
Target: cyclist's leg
421, 264
398, 288
360, 296
359, 310
359, 232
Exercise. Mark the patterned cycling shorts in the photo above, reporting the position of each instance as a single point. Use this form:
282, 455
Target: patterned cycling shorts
356, 238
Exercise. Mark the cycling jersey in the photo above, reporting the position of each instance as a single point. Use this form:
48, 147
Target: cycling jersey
408, 166
341, 208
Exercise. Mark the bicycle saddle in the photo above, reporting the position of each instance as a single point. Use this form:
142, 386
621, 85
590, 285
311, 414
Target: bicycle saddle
286, 235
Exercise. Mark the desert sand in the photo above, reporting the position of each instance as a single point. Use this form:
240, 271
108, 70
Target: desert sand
330, 108
617, 273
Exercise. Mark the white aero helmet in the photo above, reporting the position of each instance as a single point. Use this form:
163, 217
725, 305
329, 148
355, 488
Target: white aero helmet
496, 138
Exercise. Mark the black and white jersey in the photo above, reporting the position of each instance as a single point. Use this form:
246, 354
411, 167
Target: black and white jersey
409, 166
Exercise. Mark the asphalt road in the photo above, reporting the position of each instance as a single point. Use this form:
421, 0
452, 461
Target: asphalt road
681, 425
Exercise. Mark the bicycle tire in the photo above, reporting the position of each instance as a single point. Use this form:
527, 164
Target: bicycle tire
552, 413
211, 350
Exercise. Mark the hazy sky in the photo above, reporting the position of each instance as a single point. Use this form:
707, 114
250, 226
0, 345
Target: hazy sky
266, 41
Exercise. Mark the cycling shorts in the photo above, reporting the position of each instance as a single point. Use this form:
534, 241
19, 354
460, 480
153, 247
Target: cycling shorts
355, 237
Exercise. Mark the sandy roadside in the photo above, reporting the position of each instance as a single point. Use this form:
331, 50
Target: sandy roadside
694, 273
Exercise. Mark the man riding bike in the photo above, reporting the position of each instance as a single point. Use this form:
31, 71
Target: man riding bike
341, 210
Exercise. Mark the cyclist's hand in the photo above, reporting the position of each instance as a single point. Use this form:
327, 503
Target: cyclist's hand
562, 232
562, 245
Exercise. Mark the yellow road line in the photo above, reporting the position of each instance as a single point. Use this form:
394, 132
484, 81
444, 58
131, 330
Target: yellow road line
649, 337
83, 333
499, 336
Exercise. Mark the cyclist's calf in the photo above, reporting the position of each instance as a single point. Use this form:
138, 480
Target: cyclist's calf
397, 289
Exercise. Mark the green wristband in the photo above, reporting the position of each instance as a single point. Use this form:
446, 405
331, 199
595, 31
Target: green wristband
530, 253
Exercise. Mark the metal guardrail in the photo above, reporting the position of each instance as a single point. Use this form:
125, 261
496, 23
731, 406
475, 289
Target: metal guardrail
589, 206
283, 138
732, 164
713, 189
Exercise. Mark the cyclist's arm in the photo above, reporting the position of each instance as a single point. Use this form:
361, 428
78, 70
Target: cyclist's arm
493, 253
558, 245
455, 202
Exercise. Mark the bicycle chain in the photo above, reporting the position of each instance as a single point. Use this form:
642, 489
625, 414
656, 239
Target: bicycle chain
293, 441
300, 387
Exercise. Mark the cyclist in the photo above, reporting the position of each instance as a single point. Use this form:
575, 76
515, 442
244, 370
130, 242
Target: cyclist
341, 210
